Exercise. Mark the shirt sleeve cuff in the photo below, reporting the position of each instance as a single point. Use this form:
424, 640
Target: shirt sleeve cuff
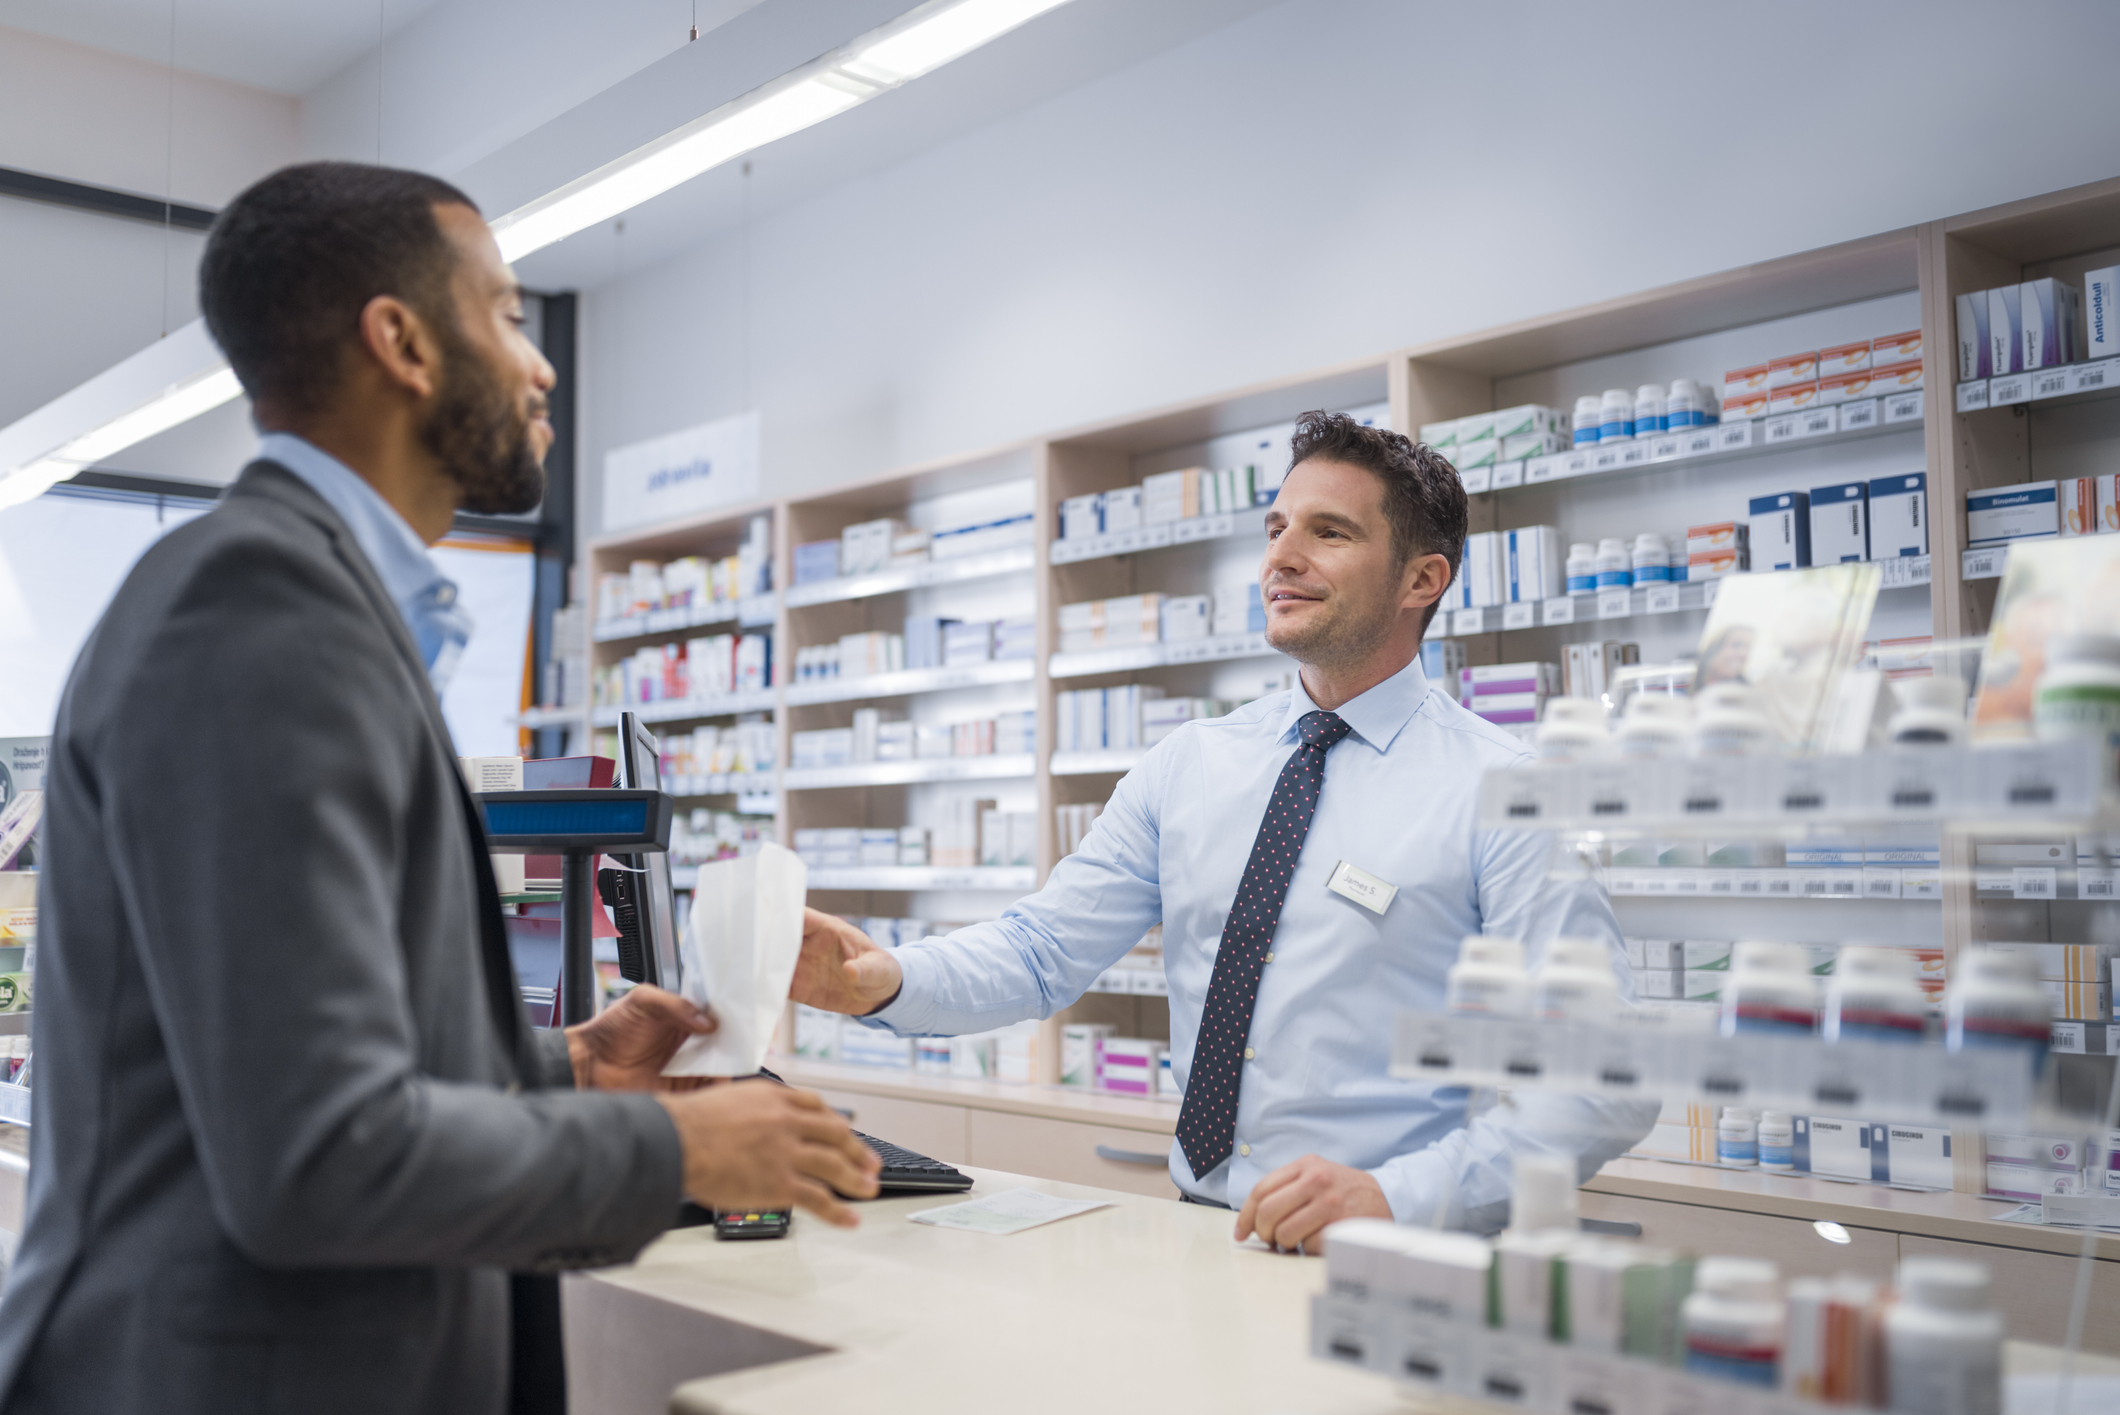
557, 1063
910, 1013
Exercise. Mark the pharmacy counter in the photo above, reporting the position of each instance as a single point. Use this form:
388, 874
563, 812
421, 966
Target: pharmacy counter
1143, 1306
1146, 1305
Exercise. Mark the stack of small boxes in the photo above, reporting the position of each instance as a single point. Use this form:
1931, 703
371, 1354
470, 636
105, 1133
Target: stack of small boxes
1863, 520
1522, 566
1167, 496
1509, 694
1126, 718
1823, 378
2034, 1166
889, 543
1092, 1057
2036, 324
1494, 439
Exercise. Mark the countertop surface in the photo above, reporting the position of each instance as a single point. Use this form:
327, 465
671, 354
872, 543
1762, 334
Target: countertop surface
1076, 1103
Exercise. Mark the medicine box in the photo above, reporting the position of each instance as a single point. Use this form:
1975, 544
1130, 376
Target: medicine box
1715, 564
1918, 1155
1476, 427
1843, 358
2005, 330
1840, 523
1792, 368
2076, 503
1081, 517
1471, 456
1122, 509
1841, 1148
1743, 382
1845, 387
1791, 397
2011, 513
1899, 517
1535, 563
1722, 535
1482, 573
1975, 352
1889, 349
2051, 312
1779, 530
1520, 445
2101, 310
1441, 436
1743, 407
2035, 1151
2017, 1181
2079, 1002
1529, 418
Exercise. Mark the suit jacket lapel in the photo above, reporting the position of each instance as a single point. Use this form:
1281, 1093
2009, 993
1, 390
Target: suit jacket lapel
503, 996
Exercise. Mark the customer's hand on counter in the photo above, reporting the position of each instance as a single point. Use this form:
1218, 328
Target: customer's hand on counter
752, 1145
625, 1046
841, 970
1291, 1206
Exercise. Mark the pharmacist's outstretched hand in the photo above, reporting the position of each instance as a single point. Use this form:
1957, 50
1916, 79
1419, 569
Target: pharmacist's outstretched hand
841, 970
1291, 1206
625, 1046
754, 1145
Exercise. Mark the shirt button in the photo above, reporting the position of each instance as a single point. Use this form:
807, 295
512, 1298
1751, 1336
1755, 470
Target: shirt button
1244, 1150
1247, 1053
1269, 955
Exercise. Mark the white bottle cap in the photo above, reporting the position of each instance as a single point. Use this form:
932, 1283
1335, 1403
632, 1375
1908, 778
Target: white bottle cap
1746, 1279
2084, 648
1951, 1284
1771, 957
1578, 953
1774, 1117
1668, 707
1611, 545
1739, 1114
1619, 395
1582, 550
1682, 386
1544, 1192
1650, 390
1729, 696
1491, 948
1871, 961
1943, 690
1649, 540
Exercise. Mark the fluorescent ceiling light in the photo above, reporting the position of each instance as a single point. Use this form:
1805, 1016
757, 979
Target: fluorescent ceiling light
184, 375
917, 42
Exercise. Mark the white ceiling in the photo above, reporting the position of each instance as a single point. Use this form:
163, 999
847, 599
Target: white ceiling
286, 46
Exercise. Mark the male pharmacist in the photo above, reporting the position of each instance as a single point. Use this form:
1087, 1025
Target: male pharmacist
293, 1130
1315, 861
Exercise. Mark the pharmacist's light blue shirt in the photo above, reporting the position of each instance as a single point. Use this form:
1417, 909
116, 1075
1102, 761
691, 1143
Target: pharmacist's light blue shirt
1399, 801
423, 594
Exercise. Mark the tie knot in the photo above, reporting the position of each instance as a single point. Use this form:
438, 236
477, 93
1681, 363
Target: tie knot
1321, 728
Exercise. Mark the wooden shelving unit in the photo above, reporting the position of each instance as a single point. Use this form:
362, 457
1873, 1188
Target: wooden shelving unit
1695, 328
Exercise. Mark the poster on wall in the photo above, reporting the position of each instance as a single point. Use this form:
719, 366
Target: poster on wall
682, 473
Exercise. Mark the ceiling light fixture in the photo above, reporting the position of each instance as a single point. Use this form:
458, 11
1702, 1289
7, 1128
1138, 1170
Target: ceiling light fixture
180, 377
916, 43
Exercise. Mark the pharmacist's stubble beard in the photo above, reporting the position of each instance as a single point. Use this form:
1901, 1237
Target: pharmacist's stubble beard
1336, 634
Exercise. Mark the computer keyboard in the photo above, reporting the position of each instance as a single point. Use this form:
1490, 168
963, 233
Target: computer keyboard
906, 1171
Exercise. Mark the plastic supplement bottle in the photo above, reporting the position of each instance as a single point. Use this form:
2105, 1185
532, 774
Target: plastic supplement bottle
1614, 566
1489, 978
1873, 997
2079, 694
1652, 560
1682, 406
1942, 1342
1577, 983
1737, 1137
1656, 725
1931, 712
1996, 1001
1582, 567
1616, 416
1728, 721
1589, 419
1771, 991
1573, 729
1731, 1322
1648, 410
1777, 1141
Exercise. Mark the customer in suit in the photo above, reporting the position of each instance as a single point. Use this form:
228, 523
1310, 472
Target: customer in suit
292, 1132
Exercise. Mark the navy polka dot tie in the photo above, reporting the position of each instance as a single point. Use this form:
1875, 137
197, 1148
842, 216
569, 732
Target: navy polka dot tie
1207, 1126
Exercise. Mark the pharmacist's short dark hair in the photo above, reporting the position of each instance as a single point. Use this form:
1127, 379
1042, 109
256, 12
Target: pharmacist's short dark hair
291, 263
1423, 497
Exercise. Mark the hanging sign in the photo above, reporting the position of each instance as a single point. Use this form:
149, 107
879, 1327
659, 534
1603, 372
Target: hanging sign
665, 478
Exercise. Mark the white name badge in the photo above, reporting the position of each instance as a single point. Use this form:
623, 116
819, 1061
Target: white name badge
1362, 887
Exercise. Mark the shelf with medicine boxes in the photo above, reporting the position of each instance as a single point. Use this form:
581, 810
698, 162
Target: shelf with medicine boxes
907, 682
896, 578
1627, 601
1216, 648
692, 708
902, 773
754, 611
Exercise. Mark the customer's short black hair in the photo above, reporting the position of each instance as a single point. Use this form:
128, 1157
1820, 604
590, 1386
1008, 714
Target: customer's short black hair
291, 263
1423, 497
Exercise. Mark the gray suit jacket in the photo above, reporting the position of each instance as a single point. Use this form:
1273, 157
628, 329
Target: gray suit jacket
292, 1130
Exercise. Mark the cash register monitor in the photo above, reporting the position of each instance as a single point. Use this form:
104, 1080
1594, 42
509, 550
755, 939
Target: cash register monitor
641, 902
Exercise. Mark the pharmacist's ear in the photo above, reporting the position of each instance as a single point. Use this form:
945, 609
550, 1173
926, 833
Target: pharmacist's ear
1426, 578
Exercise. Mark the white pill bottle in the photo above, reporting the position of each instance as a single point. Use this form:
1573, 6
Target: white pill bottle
1577, 983
1489, 978
1732, 1321
1943, 1344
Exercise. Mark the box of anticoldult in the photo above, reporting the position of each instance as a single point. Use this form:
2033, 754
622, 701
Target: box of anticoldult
2052, 315
2005, 330
2024, 512
1792, 368
1780, 530
2101, 310
1890, 349
1840, 529
1975, 351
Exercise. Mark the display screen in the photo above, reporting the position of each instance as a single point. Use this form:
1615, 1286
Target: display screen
621, 818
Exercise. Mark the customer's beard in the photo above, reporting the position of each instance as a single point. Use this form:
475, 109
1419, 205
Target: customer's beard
481, 436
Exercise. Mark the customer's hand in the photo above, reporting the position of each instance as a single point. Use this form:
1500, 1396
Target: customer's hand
625, 1046
1290, 1206
755, 1145
841, 970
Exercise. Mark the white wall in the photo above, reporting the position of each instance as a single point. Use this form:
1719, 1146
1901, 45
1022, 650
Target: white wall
1322, 182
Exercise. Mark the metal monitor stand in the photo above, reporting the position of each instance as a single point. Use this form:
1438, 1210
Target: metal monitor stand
577, 966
